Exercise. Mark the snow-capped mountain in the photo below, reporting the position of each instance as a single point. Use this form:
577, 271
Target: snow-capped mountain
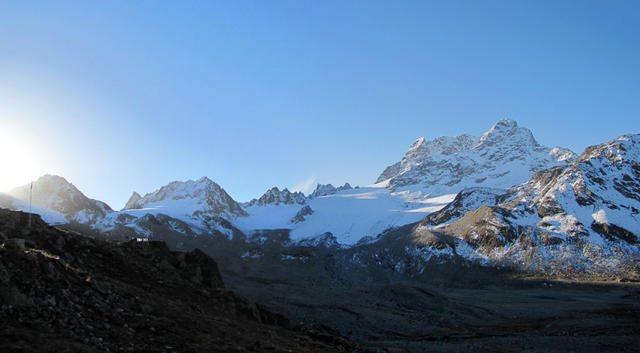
189, 207
134, 202
186, 208
599, 193
583, 216
421, 148
500, 199
190, 198
275, 196
505, 155
57, 200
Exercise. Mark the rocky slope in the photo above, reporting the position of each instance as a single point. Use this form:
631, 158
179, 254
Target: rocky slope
597, 194
62, 291
189, 208
389, 299
58, 199
583, 217
328, 189
275, 196
202, 196
300, 216
505, 155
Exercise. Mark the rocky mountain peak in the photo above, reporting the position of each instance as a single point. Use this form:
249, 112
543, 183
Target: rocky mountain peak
507, 132
275, 196
417, 144
505, 155
562, 154
56, 193
623, 148
205, 180
323, 190
48, 188
133, 202
586, 210
605, 175
422, 148
328, 189
441, 145
203, 194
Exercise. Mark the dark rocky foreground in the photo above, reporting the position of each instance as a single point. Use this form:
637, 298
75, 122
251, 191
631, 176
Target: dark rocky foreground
450, 308
447, 307
66, 292
61, 291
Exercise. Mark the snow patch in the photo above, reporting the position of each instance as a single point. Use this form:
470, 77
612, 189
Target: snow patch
600, 217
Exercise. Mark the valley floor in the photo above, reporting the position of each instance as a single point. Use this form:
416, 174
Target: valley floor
447, 307
504, 314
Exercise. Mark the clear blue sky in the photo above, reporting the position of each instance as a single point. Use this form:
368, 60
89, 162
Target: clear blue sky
122, 96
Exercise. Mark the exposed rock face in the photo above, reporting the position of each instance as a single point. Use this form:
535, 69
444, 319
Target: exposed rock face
276, 197
57, 194
300, 216
328, 189
602, 187
67, 292
420, 148
579, 217
325, 240
505, 155
134, 202
204, 195
323, 190
465, 201
188, 208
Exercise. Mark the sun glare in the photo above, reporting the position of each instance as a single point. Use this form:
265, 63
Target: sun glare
19, 162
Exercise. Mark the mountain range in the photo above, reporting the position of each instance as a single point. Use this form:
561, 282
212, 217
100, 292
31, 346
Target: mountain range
500, 199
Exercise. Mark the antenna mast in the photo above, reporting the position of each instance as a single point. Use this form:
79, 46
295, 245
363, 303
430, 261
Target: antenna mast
30, 198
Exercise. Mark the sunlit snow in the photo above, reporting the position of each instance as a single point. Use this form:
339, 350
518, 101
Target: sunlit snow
349, 215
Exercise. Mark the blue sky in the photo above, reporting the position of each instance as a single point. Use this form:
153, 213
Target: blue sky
122, 96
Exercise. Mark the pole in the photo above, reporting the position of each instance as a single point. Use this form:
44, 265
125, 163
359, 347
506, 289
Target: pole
30, 198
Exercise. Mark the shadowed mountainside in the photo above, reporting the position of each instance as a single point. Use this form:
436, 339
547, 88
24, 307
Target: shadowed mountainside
61, 291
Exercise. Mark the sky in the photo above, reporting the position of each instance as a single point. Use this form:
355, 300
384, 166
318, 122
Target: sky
118, 96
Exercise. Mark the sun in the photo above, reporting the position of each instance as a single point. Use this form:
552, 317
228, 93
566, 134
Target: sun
19, 160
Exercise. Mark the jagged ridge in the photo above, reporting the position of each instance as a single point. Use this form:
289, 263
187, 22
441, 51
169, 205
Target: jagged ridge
505, 155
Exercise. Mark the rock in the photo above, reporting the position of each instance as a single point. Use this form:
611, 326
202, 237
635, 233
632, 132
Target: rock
12, 296
323, 190
14, 244
299, 217
274, 196
113, 297
4, 276
448, 164
202, 269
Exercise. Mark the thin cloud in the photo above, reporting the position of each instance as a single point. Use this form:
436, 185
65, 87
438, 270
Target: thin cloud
306, 186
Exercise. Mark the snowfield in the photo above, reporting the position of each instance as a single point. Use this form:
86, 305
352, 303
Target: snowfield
349, 215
